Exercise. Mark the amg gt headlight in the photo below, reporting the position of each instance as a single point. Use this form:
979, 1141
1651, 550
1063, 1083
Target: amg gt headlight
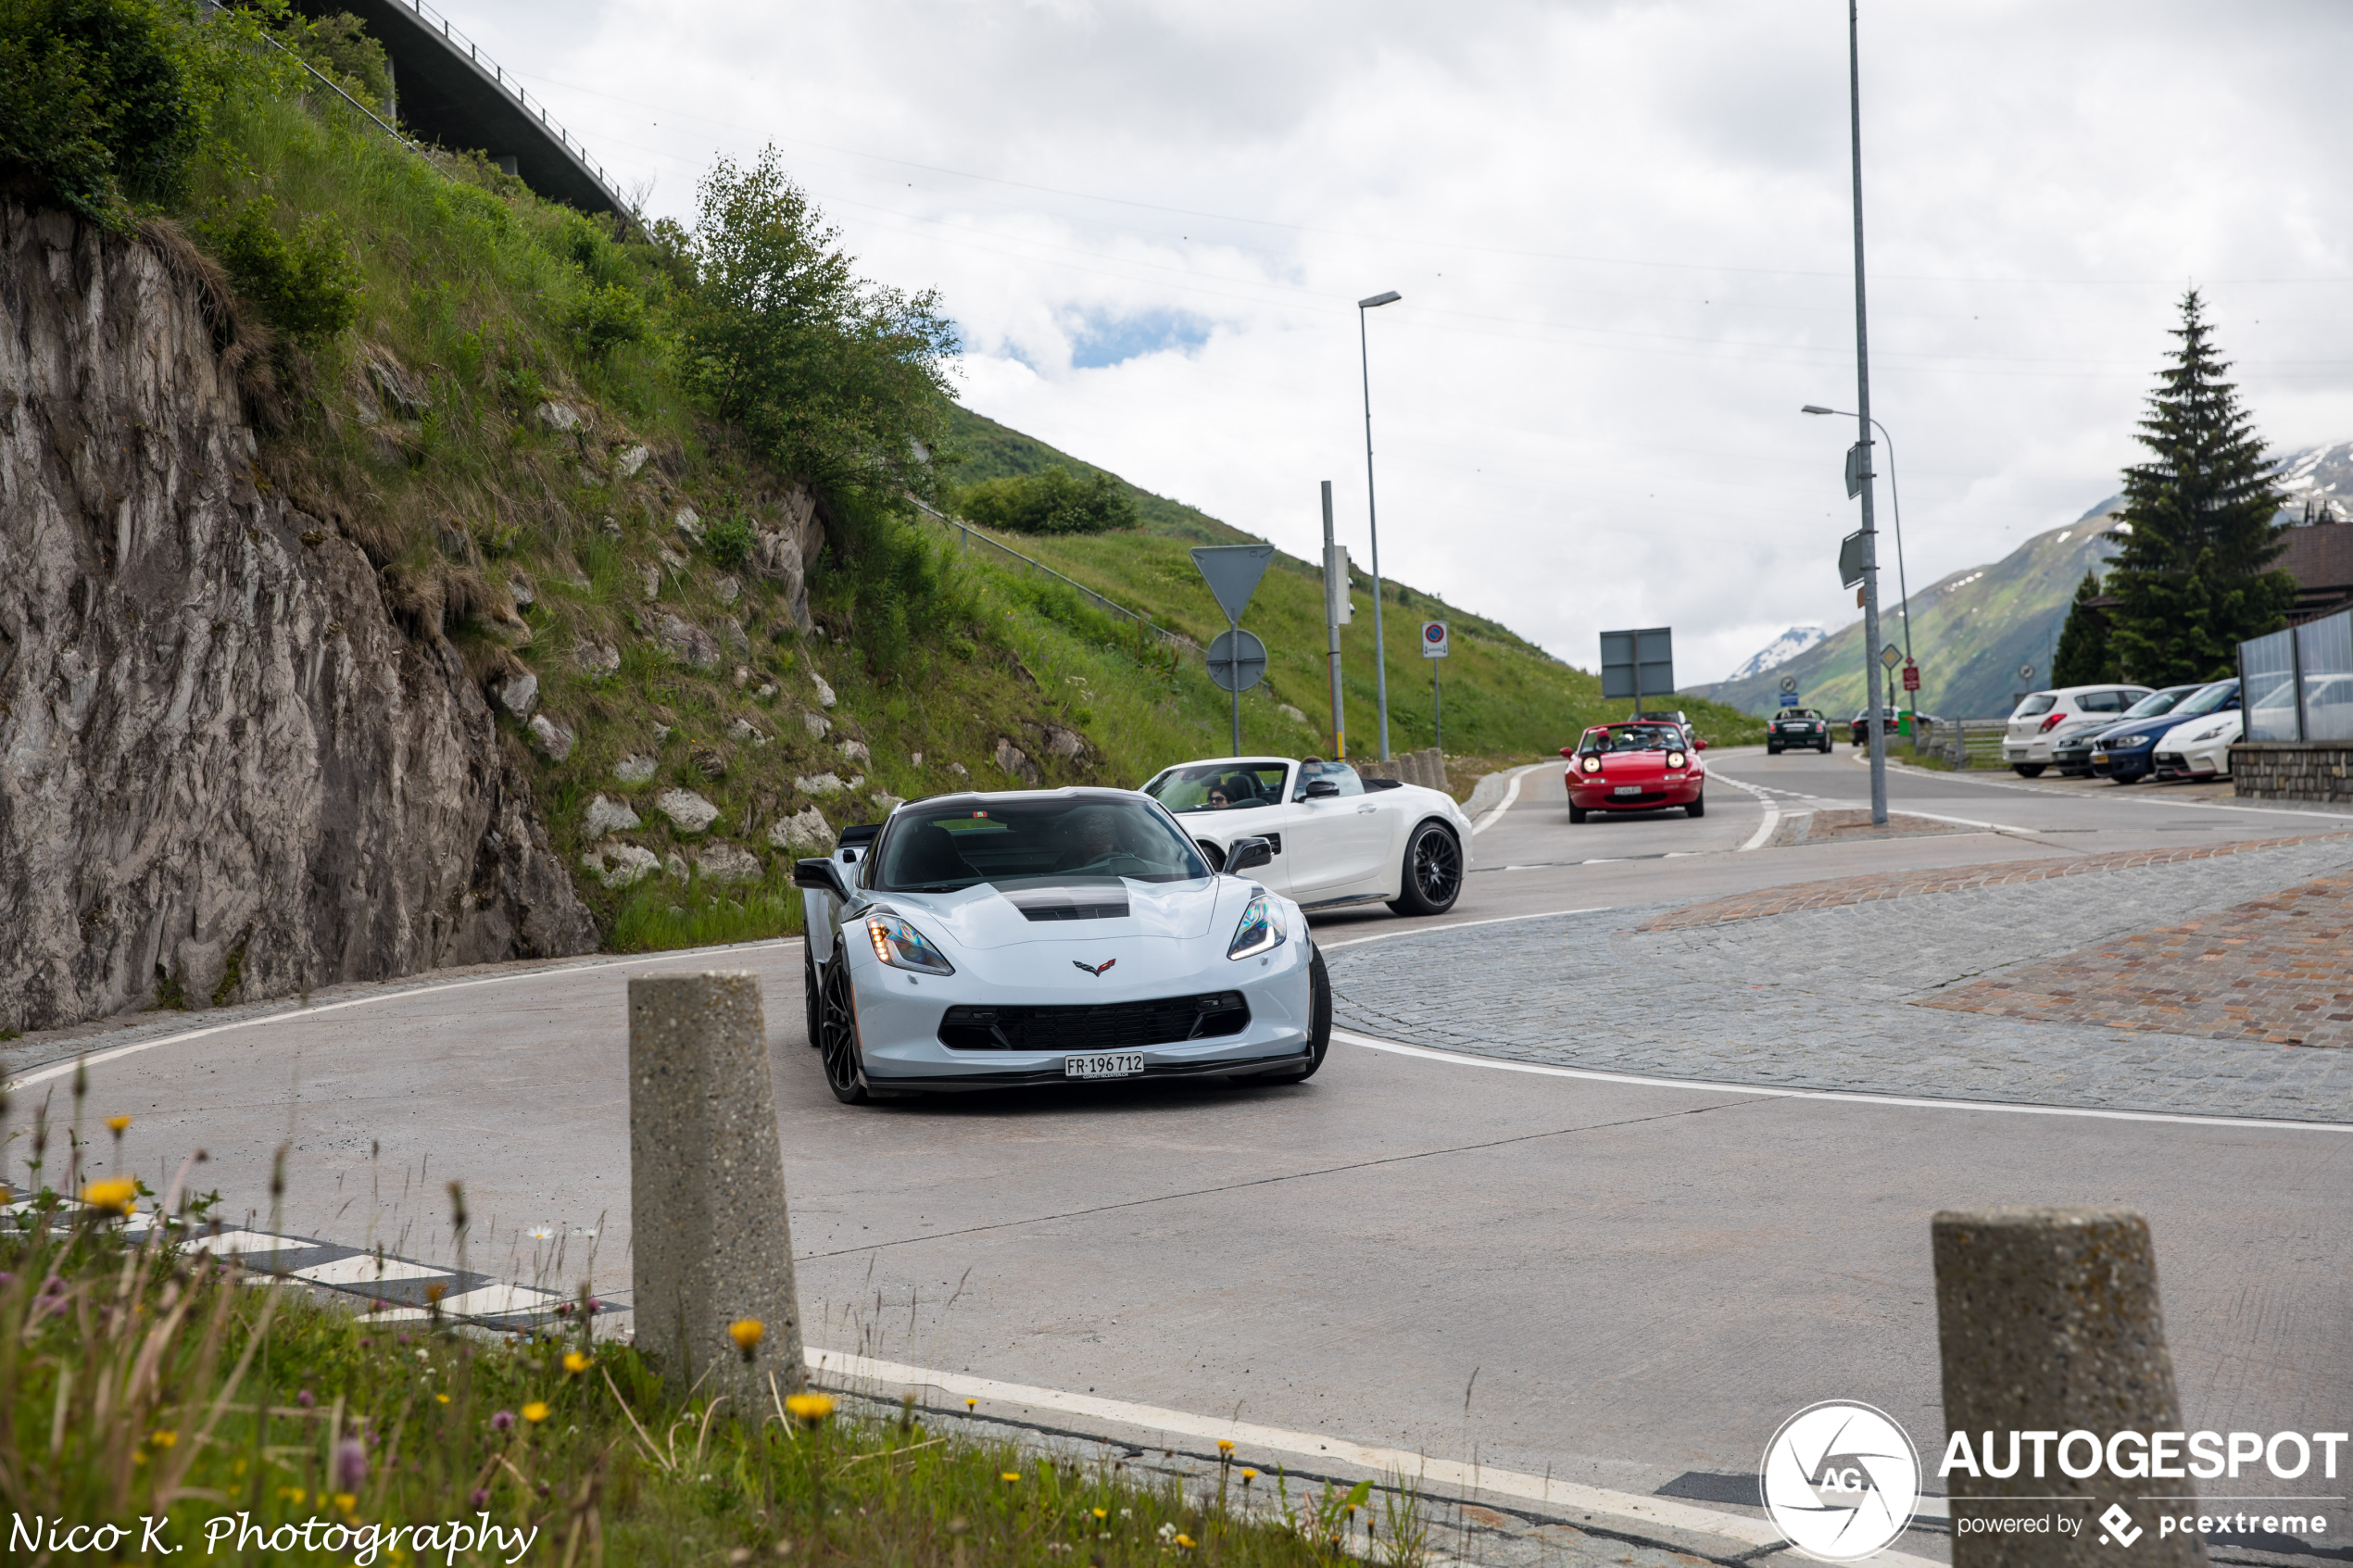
1260, 932
1674, 759
1592, 764
903, 946
2120, 741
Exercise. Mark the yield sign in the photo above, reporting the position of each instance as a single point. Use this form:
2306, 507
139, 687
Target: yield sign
1232, 572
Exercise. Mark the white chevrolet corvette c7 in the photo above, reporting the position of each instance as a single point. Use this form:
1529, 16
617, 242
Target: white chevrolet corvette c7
989, 940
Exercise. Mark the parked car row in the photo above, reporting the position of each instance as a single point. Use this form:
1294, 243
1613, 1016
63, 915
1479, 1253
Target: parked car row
2126, 732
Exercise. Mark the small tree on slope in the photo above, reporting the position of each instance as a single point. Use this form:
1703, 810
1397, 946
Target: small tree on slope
2085, 658
2193, 578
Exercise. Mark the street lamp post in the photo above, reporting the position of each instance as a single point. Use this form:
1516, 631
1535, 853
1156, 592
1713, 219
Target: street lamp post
1895, 495
1372, 514
1877, 722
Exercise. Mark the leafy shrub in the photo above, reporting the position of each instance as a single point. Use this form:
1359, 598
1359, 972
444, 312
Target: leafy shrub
1051, 502
830, 376
100, 108
603, 319
339, 47
309, 288
729, 538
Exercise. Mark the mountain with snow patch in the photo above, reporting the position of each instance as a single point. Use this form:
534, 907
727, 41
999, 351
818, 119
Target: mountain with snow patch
1780, 650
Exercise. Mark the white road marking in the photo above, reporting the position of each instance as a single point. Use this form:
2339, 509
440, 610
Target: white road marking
1772, 811
1250, 1439
1511, 797
1460, 925
1905, 1102
59, 1068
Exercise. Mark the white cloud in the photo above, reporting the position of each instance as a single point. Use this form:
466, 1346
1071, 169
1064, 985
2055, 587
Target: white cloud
1621, 233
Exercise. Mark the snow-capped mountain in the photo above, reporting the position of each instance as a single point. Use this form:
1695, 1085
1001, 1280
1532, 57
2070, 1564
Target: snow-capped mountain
1780, 650
2315, 478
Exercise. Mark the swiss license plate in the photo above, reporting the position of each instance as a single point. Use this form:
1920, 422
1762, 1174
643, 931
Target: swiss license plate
1628, 789
1118, 1064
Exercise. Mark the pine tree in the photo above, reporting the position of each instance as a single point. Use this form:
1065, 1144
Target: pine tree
2193, 578
2085, 658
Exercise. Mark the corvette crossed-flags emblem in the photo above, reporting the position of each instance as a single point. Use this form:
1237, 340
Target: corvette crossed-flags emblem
1094, 969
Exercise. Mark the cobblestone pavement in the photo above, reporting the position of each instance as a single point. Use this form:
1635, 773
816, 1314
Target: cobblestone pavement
1815, 995
1873, 889
2278, 970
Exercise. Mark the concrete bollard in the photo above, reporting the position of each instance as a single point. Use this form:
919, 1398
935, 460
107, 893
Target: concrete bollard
710, 1245
2048, 1324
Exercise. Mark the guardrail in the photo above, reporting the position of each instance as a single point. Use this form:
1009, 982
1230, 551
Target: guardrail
1961, 743
993, 549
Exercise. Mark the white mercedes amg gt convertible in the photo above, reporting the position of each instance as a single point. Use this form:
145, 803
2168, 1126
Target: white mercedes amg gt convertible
986, 940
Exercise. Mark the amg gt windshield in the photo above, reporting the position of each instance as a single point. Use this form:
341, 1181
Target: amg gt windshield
1220, 786
1025, 843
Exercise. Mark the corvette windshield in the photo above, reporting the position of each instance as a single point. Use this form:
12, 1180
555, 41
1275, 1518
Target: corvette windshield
1027, 842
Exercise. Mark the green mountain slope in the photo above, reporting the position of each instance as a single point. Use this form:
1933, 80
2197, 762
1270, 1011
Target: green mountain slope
1971, 632
1500, 695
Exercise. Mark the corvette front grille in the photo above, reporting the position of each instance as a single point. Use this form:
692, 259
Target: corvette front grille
1100, 1027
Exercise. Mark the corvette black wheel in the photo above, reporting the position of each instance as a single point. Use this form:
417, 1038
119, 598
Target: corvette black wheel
1319, 1025
1433, 878
838, 1035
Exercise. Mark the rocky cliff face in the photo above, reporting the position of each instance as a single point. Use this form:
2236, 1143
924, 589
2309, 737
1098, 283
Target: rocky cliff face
225, 772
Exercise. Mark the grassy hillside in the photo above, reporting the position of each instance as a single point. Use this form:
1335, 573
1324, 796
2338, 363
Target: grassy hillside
1503, 696
1971, 631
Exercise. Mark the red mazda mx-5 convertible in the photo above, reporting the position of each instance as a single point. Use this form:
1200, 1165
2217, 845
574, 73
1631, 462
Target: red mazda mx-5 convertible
1636, 767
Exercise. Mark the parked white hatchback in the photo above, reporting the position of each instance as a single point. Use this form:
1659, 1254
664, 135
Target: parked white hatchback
2044, 717
1338, 837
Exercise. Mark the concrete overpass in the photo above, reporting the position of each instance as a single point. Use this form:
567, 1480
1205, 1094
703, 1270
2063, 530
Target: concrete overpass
448, 91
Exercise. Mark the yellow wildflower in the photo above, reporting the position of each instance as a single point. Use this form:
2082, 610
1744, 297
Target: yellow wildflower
536, 1411
747, 1332
809, 1408
117, 1193
163, 1440
118, 1124
1102, 1514
577, 1362
291, 1494
1249, 1476
1009, 1475
1185, 1541
1224, 1444
441, 1399
346, 1501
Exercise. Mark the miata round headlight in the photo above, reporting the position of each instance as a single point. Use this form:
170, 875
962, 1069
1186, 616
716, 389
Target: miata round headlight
1592, 764
1674, 759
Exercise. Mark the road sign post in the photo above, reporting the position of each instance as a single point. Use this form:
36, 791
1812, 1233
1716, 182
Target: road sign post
1236, 659
1337, 613
1638, 662
1434, 648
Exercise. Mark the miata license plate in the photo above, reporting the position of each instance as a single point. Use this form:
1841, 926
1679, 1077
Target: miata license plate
1118, 1064
1628, 789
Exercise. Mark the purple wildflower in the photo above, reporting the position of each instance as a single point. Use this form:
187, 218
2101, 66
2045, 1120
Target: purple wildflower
304, 1399
503, 1421
351, 1465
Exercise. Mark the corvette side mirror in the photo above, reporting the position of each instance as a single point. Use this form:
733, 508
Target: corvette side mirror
1247, 852
1321, 789
820, 876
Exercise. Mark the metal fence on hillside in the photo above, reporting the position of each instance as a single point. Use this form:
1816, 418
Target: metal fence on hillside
1961, 743
1005, 556
2299, 682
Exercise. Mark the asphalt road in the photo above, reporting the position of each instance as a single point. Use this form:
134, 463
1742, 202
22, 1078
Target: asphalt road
1610, 1282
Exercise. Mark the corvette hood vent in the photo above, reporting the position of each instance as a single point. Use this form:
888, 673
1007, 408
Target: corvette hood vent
1070, 903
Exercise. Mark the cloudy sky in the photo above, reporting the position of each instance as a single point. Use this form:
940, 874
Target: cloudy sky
1621, 232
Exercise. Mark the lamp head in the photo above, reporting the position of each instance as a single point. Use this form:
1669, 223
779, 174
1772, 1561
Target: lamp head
1388, 297
1817, 409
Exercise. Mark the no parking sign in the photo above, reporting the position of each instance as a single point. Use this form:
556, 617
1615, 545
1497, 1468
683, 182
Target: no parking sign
1434, 639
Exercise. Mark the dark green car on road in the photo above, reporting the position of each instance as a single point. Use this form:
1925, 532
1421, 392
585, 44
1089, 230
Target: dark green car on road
1797, 726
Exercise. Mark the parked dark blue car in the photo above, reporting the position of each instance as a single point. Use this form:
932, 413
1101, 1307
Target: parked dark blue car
2072, 757
2126, 752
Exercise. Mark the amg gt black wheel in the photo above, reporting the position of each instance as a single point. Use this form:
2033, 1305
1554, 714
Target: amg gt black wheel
1319, 1024
1697, 808
1433, 872
838, 1035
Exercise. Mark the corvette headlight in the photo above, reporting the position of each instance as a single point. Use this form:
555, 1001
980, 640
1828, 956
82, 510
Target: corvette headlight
1592, 764
903, 946
1674, 759
2120, 741
1260, 932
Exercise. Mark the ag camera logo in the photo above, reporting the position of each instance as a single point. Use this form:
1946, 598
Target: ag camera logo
1841, 1480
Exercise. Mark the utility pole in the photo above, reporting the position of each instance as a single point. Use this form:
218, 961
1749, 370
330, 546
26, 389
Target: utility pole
1372, 514
1875, 709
